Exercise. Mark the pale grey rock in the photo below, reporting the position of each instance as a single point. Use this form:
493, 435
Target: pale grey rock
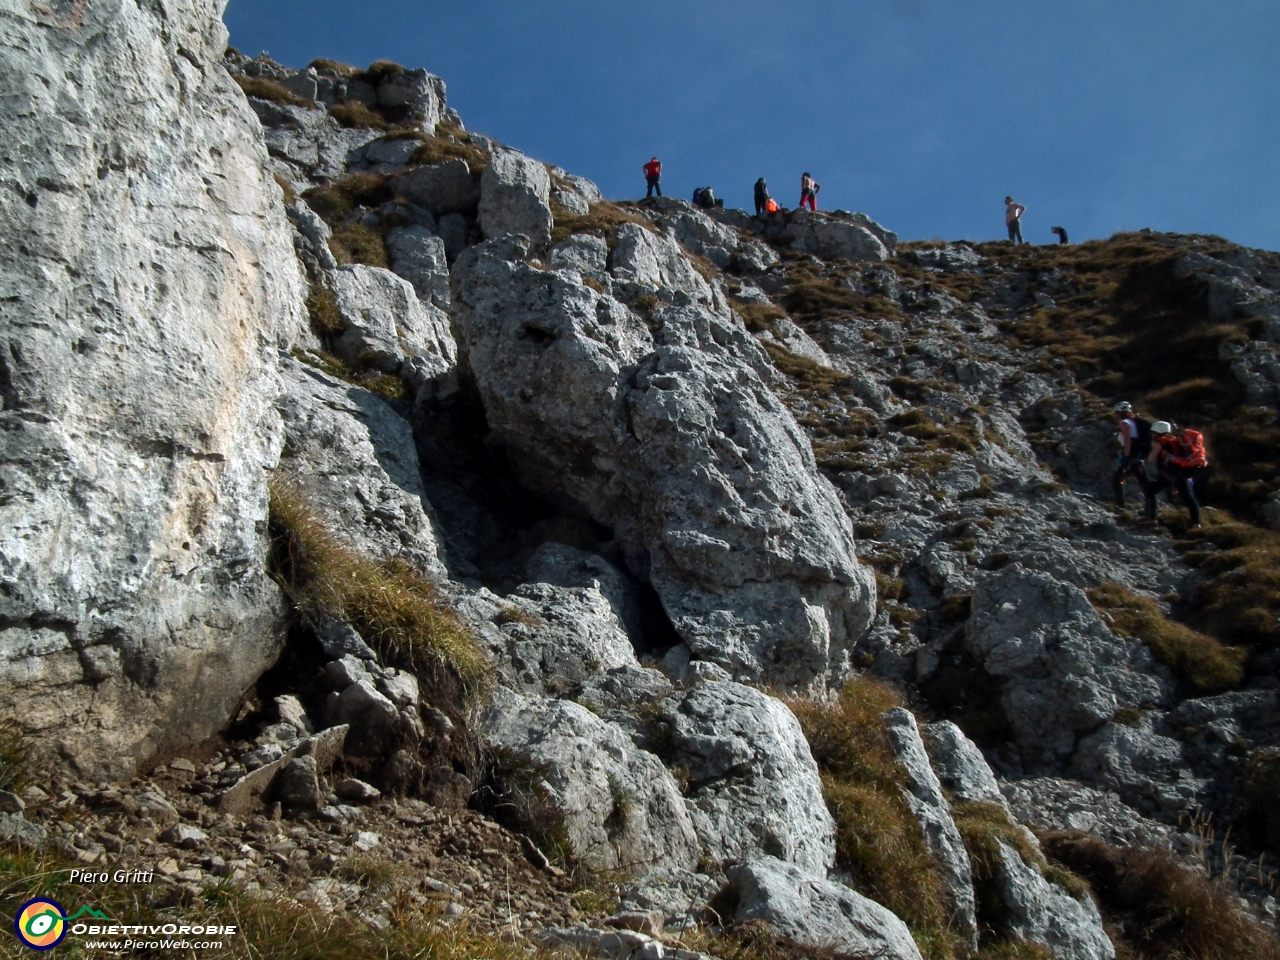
384, 323
960, 765
353, 461
575, 194
699, 234
1047, 803
373, 718
342, 673
394, 152
754, 786
682, 449
418, 255
399, 686
290, 710
443, 189
418, 93
339, 639
141, 247
357, 791
787, 335
1064, 672
15, 829
923, 794
1042, 912
514, 194
564, 566
822, 236
1137, 762
316, 233
298, 785
816, 912
185, 835
583, 252
654, 261
620, 807
950, 258
11, 803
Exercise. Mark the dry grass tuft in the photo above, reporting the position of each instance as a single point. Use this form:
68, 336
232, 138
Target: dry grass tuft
356, 243
356, 115
344, 70
396, 607
286, 188
600, 221
759, 317
1198, 660
322, 309
1172, 911
449, 143
380, 71
335, 200
270, 90
15, 759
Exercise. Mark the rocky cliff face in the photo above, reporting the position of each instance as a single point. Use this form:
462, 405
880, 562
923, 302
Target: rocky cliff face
568, 497
148, 281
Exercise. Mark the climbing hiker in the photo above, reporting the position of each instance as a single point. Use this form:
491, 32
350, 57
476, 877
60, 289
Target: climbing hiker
1180, 460
1060, 233
762, 196
809, 192
1134, 434
705, 198
653, 177
1013, 218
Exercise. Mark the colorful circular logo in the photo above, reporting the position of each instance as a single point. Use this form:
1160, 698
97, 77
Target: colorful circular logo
41, 923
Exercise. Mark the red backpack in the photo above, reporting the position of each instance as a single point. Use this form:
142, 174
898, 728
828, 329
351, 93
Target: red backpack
1192, 454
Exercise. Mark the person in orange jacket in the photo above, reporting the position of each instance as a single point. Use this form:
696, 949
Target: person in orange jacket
1178, 459
653, 177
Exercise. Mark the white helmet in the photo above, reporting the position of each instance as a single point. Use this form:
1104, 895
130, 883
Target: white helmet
1122, 407
1162, 426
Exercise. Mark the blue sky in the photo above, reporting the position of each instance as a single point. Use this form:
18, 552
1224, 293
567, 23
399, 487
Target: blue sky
1100, 115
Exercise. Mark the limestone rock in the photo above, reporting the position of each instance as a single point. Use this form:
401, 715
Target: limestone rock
815, 912
384, 323
15, 829
1065, 673
353, 461
619, 806
654, 261
960, 765
754, 787
821, 235
931, 810
514, 192
575, 194
419, 256
443, 189
1043, 912
682, 449
372, 717
146, 278
582, 252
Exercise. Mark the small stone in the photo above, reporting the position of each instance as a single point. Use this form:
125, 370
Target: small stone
648, 922
357, 791
11, 802
189, 876
454, 909
184, 835
168, 867
366, 840
291, 711
182, 764
298, 784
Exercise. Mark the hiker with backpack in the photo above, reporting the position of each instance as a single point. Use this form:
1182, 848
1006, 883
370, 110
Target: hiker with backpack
653, 177
809, 192
1180, 459
762, 196
1134, 434
705, 199
1060, 233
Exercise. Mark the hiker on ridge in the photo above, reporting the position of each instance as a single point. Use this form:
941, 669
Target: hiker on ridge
653, 177
1134, 434
762, 196
809, 192
1013, 219
1179, 458
1060, 233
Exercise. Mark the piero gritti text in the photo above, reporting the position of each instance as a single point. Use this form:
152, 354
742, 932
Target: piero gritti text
118, 876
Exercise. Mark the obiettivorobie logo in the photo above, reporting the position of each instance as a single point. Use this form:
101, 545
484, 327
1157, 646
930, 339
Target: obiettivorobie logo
42, 923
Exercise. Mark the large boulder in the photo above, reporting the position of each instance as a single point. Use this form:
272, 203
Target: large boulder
384, 323
351, 459
514, 197
147, 276
443, 189
1064, 673
418, 93
615, 805
678, 444
754, 788
654, 261
815, 912
1038, 911
419, 256
836, 239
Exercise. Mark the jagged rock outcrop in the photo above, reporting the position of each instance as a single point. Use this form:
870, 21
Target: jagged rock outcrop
816, 912
147, 279
515, 195
677, 444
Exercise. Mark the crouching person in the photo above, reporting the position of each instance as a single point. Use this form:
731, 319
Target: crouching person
1179, 459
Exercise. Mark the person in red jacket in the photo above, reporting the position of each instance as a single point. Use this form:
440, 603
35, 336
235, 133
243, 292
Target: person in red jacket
653, 177
1178, 459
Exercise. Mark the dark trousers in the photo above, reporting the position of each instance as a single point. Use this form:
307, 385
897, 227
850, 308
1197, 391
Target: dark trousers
1129, 467
654, 184
1180, 480
760, 207
1015, 230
